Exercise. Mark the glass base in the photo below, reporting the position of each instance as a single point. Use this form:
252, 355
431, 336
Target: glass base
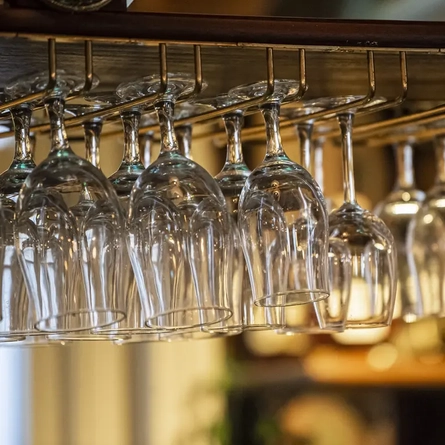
261, 327
11, 338
363, 324
87, 336
312, 330
292, 298
79, 321
188, 318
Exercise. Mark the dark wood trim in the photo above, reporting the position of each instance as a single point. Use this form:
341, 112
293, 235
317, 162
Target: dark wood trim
229, 29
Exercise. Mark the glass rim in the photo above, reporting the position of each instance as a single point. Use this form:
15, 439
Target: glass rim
77, 313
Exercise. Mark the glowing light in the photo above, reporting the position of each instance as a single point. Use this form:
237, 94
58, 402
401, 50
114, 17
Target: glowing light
382, 357
428, 219
406, 196
361, 336
440, 202
405, 208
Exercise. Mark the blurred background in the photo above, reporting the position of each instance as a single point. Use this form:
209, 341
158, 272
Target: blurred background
380, 386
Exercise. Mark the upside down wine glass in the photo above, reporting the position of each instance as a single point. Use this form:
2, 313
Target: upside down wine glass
369, 241
179, 234
231, 179
426, 244
55, 251
328, 315
396, 211
123, 180
282, 217
92, 132
18, 315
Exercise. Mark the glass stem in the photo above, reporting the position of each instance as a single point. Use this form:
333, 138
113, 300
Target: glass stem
318, 162
345, 121
233, 123
165, 110
404, 165
146, 142
92, 142
130, 122
59, 140
305, 137
271, 115
21, 118
439, 146
184, 136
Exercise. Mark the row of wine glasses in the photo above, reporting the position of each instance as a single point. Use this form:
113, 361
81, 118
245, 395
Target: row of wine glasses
165, 251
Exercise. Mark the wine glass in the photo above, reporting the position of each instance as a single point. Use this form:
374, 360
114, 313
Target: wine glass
368, 239
282, 217
327, 315
18, 316
92, 131
231, 180
179, 235
123, 181
426, 244
396, 211
54, 252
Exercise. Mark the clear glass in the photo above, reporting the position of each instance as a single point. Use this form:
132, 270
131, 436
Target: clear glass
327, 315
179, 233
368, 239
55, 252
133, 326
311, 151
92, 132
17, 314
231, 180
396, 211
426, 244
131, 166
282, 218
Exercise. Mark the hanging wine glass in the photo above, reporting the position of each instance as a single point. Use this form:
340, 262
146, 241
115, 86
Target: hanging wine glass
18, 316
179, 229
396, 211
426, 245
327, 315
282, 217
368, 239
231, 180
92, 131
123, 181
54, 253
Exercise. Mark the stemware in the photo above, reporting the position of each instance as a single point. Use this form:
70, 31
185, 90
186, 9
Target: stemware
369, 241
328, 315
396, 211
18, 316
426, 244
179, 235
54, 251
92, 131
282, 217
123, 181
231, 180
